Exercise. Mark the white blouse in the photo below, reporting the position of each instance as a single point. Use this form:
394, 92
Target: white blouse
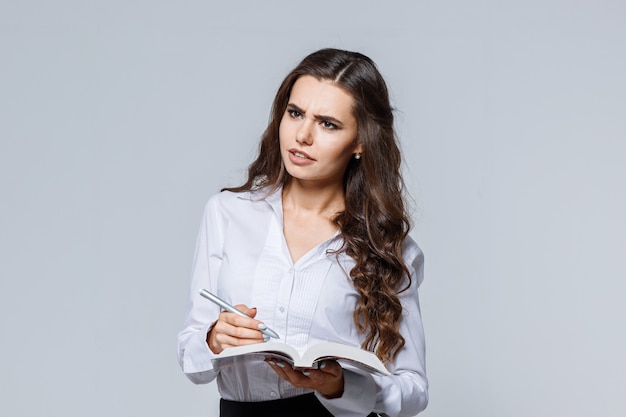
241, 255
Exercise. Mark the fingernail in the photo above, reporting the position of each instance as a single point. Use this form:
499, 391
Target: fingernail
323, 365
266, 338
262, 326
305, 373
280, 364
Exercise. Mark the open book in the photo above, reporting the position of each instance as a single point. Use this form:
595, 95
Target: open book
327, 350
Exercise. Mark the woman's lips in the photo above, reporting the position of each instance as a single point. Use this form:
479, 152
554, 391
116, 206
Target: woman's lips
300, 158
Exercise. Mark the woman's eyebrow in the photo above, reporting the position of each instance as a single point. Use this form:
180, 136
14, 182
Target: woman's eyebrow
292, 106
331, 119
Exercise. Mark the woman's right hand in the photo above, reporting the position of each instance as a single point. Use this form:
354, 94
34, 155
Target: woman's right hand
232, 330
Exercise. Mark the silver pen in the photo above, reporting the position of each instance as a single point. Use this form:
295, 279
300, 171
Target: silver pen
212, 297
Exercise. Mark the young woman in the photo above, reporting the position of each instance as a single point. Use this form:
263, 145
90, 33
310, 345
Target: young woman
315, 246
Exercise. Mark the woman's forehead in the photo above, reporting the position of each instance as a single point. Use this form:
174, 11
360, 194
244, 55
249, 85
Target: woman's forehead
321, 96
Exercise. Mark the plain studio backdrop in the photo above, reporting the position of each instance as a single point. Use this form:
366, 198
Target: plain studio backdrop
118, 120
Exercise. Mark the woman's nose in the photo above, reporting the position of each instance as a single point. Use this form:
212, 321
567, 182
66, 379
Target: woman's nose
304, 135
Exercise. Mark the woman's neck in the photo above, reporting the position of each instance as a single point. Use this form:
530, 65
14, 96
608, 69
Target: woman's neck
323, 201
308, 214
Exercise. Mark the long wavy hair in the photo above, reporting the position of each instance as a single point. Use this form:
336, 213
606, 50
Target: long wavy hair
374, 223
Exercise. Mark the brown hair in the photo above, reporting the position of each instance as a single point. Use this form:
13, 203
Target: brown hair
374, 222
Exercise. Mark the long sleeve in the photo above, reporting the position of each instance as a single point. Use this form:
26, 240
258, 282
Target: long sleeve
194, 354
405, 392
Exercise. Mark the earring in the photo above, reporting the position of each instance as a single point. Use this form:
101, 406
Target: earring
357, 156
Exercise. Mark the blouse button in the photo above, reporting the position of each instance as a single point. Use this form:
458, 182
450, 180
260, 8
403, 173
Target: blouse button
272, 394
281, 309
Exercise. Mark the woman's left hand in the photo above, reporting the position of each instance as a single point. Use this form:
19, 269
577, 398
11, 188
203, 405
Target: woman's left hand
327, 379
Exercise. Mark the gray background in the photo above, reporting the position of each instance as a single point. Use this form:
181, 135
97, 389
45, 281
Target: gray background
118, 119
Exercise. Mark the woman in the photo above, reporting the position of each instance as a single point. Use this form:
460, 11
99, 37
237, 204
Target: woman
315, 245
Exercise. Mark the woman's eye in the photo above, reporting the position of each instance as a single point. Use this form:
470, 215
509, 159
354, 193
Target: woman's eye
329, 125
294, 113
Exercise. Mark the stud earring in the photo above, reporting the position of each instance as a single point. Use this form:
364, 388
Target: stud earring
357, 156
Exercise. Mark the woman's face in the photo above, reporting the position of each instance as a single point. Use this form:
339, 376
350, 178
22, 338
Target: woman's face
318, 132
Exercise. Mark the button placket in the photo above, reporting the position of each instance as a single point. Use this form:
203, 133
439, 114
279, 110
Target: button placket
282, 304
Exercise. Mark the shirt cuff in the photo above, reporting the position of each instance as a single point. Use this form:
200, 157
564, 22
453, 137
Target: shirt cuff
358, 398
197, 357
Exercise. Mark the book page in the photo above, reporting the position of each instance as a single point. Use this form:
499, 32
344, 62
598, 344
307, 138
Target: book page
355, 355
267, 347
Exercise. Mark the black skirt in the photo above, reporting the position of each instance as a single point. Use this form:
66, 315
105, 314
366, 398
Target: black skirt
301, 406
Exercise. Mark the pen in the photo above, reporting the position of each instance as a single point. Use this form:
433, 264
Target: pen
212, 297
